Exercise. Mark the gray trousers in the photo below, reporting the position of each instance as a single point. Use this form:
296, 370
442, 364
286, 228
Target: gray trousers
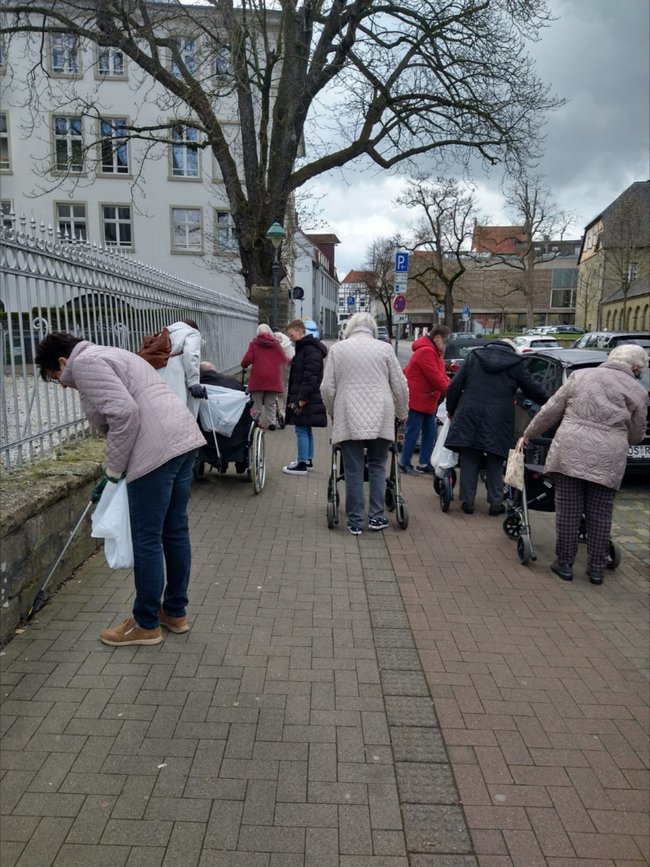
470, 461
352, 452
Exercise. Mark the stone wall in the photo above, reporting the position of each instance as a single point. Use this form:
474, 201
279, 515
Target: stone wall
39, 506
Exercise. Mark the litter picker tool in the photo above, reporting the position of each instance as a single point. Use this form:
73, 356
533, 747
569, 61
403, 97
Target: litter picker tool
39, 599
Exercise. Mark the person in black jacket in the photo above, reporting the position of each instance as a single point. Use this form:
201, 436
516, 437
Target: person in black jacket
305, 407
480, 404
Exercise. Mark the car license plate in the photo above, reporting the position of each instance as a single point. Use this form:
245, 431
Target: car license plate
638, 452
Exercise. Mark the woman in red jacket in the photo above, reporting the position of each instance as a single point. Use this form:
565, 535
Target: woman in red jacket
428, 382
266, 358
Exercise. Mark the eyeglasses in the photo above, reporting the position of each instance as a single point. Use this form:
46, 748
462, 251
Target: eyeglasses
50, 377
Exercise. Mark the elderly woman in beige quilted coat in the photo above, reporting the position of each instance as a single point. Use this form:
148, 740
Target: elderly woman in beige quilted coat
601, 412
364, 390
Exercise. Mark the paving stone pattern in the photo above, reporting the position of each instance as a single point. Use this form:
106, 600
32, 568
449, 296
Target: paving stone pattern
293, 725
333, 698
540, 686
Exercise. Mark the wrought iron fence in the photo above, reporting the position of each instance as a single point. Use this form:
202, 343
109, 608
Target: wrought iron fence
53, 284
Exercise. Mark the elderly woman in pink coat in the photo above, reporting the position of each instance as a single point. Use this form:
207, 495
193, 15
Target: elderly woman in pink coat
600, 413
151, 440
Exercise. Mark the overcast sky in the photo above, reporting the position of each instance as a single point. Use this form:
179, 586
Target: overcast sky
595, 56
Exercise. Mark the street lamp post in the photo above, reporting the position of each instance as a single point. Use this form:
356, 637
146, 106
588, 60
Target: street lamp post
276, 236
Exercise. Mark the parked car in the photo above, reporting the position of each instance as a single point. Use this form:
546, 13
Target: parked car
382, 334
312, 328
551, 368
456, 351
610, 339
565, 329
533, 342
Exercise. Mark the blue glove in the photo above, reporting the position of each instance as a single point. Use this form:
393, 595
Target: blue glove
199, 391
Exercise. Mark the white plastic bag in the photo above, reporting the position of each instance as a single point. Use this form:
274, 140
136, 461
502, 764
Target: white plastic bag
222, 410
441, 413
111, 522
443, 458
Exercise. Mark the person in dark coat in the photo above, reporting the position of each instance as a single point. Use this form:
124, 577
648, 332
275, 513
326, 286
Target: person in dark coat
305, 407
480, 404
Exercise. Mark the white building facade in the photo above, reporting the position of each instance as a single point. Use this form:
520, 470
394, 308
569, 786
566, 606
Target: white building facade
315, 273
65, 159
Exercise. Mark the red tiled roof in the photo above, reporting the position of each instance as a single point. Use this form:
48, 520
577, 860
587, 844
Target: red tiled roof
368, 277
322, 239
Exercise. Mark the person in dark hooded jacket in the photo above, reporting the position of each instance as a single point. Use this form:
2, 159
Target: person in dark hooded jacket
480, 404
305, 407
266, 358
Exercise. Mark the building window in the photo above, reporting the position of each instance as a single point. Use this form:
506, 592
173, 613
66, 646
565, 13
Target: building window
225, 233
117, 229
632, 271
65, 54
563, 288
222, 60
72, 222
114, 146
5, 155
110, 62
186, 47
7, 211
68, 144
186, 230
185, 152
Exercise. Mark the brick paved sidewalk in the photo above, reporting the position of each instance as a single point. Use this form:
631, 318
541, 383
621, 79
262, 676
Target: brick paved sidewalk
294, 724
540, 686
291, 726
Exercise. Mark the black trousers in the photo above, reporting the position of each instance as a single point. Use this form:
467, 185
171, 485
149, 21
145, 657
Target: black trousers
470, 462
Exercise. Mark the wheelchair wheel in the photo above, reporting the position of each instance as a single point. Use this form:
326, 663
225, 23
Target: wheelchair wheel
402, 513
198, 471
614, 555
446, 493
389, 498
331, 510
511, 526
257, 463
524, 549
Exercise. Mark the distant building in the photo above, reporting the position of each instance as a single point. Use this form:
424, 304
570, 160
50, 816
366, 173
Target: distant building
355, 294
614, 265
489, 287
314, 272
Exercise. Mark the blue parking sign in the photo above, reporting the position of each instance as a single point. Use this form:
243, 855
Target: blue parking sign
401, 262
351, 301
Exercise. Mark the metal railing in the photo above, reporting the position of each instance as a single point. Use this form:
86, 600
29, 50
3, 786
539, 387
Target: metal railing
101, 294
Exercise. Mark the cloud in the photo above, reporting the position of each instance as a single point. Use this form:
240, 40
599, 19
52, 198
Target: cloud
596, 56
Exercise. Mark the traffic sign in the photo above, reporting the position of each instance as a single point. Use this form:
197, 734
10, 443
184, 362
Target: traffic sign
400, 319
401, 262
466, 311
351, 301
399, 303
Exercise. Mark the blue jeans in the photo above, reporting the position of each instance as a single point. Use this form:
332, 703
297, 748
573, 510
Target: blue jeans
419, 421
352, 452
305, 440
161, 539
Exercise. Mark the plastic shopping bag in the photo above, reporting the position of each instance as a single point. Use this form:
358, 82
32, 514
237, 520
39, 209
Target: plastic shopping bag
443, 458
111, 523
514, 474
441, 413
222, 410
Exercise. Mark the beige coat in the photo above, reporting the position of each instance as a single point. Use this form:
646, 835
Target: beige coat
145, 424
363, 388
601, 411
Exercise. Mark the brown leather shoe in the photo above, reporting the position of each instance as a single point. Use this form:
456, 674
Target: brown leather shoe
174, 624
130, 633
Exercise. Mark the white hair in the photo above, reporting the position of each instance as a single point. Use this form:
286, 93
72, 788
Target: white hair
360, 320
630, 354
264, 329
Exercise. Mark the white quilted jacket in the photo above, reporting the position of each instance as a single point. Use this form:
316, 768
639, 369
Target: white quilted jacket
602, 410
363, 388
